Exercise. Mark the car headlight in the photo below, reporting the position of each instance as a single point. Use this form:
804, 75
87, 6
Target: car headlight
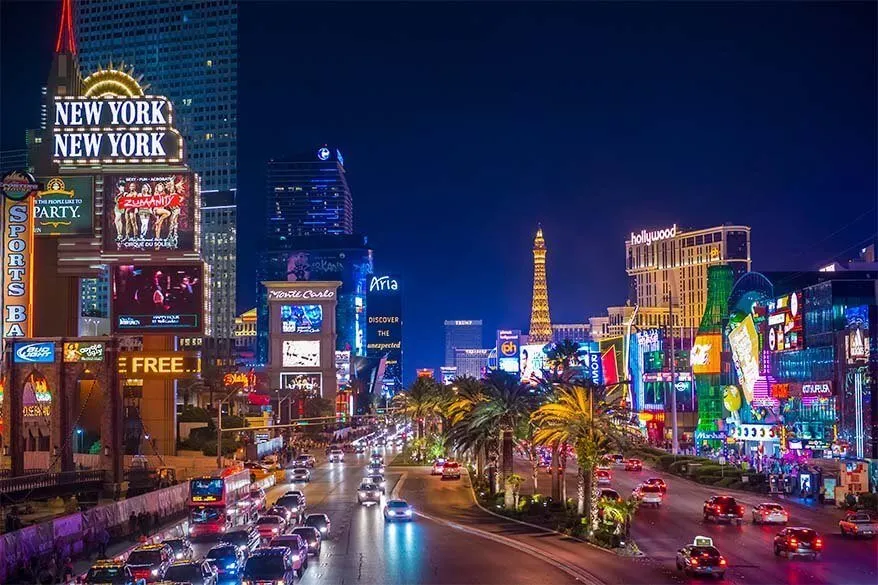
191, 530
295, 557
230, 566
408, 512
178, 556
154, 572
323, 530
274, 530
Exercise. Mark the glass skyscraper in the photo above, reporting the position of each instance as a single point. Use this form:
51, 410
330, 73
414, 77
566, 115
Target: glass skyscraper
307, 195
461, 335
219, 242
187, 51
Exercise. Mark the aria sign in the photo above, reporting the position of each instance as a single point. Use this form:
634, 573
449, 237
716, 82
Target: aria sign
112, 130
383, 284
300, 294
645, 237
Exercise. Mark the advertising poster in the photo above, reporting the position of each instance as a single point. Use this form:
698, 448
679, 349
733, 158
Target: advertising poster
302, 382
744, 344
785, 323
706, 352
301, 354
533, 362
149, 213
508, 350
301, 318
65, 208
343, 367
158, 299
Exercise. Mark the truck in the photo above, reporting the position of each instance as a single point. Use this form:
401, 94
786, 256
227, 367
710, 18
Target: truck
859, 524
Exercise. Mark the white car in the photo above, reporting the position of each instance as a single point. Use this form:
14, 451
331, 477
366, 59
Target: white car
368, 493
770, 513
649, 495
336, 456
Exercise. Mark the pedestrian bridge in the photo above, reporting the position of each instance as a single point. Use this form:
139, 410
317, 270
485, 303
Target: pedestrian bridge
44, 485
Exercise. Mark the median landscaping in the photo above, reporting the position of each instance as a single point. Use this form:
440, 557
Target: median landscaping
702, 470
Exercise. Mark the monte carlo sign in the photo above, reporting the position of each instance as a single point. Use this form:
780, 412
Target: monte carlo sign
109, 129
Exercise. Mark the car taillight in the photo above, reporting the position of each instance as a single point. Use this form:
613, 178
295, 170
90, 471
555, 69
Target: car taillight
740, 509
722, 561
793, 542
818, 543
693, 562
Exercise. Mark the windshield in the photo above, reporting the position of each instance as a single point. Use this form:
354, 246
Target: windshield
368, 486
268, 520
237, 537
725, 501
184, 573
803, 534
397, 505
653, 489
203, 514
315, 521
288, 501
705, 551
264, 566
221, 552
174, 544
105, 575
773, 507
145, 557
206, 489
308, 533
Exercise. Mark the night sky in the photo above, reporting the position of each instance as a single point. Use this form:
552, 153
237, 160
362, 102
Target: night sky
463, 125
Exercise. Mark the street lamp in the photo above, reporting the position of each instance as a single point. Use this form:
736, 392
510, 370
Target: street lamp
219, 429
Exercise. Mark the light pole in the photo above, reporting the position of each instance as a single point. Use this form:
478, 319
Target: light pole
219, 429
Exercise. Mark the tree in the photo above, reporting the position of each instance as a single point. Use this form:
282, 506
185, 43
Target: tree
514, 482
594, 420
420, 403
561, 357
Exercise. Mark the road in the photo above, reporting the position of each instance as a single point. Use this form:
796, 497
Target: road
365, 550
661, 532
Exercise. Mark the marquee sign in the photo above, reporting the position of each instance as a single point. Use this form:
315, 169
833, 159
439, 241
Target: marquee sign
18, 241
645, 237
159, 365
65, 207
308, 383
300, 294
114, 130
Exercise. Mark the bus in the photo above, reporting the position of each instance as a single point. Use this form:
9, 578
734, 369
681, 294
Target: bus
218, 501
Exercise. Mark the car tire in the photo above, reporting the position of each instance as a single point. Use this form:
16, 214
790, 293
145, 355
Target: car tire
776, 551
679, 566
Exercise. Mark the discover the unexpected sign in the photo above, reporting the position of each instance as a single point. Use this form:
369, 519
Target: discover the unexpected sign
110, 129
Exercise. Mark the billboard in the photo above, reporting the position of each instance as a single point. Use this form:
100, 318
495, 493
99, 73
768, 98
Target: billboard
350, 266
744, 343
18, 242
706, 353
384, 322
159, 365
149, 213
508, 350
33, 352
533, 362
301, 318
785, 323
65, 208
92, 351
856, 337
343, 368
303, 382
301, 353
158, 298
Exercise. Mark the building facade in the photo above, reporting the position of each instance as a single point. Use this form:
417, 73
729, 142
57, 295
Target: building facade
245, 335
461, 334
674, 262
307, 195
575, 332
219, 245
471, 362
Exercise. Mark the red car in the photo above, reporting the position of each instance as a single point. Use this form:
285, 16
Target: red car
658, 482
633, 465
604, 476
798, 541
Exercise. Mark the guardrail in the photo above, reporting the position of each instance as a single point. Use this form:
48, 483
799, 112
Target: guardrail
49, 480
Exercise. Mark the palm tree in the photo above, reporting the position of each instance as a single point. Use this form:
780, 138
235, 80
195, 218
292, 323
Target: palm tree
594, 420
507, 402
561, 356
419, 403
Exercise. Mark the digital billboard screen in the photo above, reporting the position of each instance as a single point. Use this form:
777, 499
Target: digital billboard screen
65, 208
533, 362
301, 318
302, 382
158, 298
785, 323
301, 354
744, 343
149, 213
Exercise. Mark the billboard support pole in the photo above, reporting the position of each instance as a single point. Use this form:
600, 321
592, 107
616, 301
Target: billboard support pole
675, 442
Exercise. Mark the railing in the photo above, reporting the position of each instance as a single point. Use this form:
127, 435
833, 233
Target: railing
49, 480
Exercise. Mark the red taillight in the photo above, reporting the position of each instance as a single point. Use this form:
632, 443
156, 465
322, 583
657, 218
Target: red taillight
722, 561
740, 509
793, 542
693, 562
818, 543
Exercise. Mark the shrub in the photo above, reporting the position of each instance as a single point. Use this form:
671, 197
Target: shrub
868, 501
727, 481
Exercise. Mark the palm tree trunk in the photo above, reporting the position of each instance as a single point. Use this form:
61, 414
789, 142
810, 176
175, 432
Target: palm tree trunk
556, 485
562, 473
587, 474
508, 463
580, 492
480, 460
534, 467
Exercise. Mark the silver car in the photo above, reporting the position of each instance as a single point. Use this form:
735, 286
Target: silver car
300, 474
369, 493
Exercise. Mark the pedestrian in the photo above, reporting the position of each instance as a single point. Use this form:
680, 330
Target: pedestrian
67, 571
821, 497
103, 542
132, 525
155, 520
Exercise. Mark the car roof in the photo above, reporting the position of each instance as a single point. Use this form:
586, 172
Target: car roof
106, 564
298, 529
323, 516
228, 546
189, 562
269, 551
156, 546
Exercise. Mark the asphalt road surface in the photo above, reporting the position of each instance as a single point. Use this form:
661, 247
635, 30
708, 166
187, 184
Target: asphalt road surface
363, 549
748, 548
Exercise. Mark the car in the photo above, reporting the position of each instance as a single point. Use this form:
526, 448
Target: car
360, 449
451, 470
609, 494
111, 573
375, 467
283, 512
649, 495
376, 458
311, 536
437, 466
701, 558
192, 572
226, 559
245, 539
659, 482
770, 513
257, 498
398, 510
717, 508
295, 504
295, 542
798, 541
377, 479
300, 474
336, 455
276, 565
305, 460
617, 459
181, 547
604, 476
859, 524
299, 493
321, 522
270, 526
634, 465
368, 493
150, 561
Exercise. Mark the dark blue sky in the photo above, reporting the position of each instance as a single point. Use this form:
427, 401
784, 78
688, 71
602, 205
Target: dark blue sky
463, 125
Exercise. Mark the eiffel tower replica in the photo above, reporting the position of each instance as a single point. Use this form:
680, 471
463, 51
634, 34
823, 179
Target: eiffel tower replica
540, 322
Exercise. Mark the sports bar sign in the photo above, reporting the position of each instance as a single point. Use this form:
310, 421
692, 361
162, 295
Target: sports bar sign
114, 130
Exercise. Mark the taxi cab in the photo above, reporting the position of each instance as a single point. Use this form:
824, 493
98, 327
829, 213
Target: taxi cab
111, 573
701, 558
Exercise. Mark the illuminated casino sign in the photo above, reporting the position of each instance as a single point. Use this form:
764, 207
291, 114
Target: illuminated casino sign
300, 294
159, 365
18, 238
645, 237
114, 130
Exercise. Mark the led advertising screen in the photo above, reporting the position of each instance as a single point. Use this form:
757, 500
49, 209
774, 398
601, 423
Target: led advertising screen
533, 362
301, 354
149, 213
158, 298
65, 208
310, 383
706, 353
745, 353
301, 318
508, 350
785, 318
